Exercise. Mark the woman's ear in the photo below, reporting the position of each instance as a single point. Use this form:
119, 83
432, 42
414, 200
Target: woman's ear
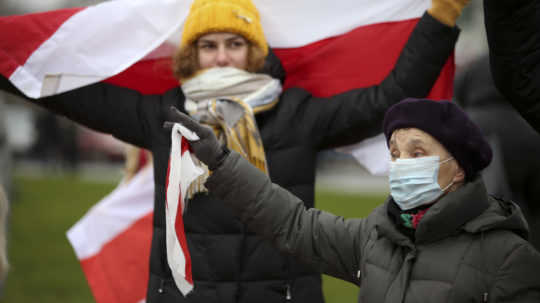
460, 175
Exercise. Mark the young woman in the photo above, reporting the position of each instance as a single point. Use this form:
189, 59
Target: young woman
279, 131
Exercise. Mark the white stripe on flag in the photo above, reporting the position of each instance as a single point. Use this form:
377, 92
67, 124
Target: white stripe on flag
85, 50
296, 23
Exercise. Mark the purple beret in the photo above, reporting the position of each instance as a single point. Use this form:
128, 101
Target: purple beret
447, 123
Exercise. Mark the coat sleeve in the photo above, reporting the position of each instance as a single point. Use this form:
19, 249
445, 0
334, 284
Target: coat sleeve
512, 28
517, 280
324, 241
351, 116
106, 108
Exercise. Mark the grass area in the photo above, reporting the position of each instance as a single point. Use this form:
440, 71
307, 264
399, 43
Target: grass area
43, 265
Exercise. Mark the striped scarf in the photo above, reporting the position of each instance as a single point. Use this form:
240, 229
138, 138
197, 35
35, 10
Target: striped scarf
227, 100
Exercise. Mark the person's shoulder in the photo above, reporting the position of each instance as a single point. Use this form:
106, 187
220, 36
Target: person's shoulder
174, 96
504, 246
294, 93
291, 100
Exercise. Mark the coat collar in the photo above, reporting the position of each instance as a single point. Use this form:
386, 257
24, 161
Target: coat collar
448, 215
445, 218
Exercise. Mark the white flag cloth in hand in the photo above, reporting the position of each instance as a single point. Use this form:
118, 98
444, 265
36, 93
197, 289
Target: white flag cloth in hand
181, 173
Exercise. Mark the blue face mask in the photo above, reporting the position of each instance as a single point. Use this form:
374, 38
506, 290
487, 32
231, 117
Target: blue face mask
413, 182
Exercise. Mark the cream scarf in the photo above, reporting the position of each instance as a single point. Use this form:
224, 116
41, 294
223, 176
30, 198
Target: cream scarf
227, 99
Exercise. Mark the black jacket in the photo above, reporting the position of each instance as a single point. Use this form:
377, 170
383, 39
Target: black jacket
512, 175
229, 263
513, 31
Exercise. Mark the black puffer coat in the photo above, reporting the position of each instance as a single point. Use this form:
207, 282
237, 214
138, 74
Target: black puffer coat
229, 263
513, 31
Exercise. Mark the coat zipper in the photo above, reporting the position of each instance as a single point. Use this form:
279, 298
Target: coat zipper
288, 295
161, 284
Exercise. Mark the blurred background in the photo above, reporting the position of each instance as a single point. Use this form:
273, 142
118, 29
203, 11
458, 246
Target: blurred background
54, 171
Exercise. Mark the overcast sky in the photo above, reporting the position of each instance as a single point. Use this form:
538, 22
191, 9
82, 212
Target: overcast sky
8, 7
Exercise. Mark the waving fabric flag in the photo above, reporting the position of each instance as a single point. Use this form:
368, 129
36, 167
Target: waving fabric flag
326, 47
181, 173
112, 241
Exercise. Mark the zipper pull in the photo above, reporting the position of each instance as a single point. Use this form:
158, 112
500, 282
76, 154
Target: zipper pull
485, 297
160, 289
288, 295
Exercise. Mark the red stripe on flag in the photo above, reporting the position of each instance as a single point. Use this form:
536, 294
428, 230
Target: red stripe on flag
23, 34
359, 58
152, 76
180, 234
125, 280
185, 146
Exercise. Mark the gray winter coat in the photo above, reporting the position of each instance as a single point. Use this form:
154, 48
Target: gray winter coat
468, 246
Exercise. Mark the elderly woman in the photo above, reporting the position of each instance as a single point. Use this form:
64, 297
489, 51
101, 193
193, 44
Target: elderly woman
252, 115
439, 237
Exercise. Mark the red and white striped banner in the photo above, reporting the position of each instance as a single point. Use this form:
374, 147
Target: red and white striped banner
112, 241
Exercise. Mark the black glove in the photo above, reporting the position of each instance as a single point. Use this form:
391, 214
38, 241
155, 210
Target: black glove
207, 148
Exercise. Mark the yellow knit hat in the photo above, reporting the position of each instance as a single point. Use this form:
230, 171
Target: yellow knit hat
235, 16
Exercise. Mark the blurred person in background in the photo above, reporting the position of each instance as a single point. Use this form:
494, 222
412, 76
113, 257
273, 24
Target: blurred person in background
439, 237
5, 182
230, 264
513, 31
515, 170
5, 153
56, 142
4, 209
134, 160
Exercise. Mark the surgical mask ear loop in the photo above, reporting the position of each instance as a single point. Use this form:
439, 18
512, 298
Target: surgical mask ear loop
447, 186
451, 183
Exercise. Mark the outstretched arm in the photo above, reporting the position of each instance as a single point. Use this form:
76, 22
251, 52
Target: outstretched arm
354, 115
328, 243
119, 111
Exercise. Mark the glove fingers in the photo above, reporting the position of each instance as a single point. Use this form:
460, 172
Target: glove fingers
168, 125
177, 116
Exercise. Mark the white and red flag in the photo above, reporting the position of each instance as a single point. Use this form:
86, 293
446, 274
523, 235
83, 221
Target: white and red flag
325, 46
112, 241
181, 172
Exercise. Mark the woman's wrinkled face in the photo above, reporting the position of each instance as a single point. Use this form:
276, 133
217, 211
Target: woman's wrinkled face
222, 50
406, 143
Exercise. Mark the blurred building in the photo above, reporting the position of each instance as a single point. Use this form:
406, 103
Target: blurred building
35, 134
